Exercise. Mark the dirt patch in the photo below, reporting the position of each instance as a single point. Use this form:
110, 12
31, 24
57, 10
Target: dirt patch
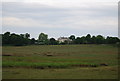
6, 54
103, 64
48, 54
84, 65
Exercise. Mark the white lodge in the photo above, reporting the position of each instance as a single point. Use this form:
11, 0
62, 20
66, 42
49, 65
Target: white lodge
64, 39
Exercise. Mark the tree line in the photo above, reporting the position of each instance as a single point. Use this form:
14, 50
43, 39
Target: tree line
24, 39
16, 40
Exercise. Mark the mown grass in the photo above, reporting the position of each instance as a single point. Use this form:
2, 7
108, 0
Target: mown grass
63, 53
64, 73
70, 59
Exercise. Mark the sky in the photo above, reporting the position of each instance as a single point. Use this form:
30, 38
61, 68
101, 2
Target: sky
59, 18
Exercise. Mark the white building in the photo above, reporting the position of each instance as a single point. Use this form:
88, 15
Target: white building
64, 39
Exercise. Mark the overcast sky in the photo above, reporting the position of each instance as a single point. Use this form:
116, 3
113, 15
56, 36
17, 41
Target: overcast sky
60, 17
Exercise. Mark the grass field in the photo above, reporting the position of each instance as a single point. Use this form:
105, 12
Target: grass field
60, 62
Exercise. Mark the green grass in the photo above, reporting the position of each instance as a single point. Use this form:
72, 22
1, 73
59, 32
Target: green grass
75, 73
70, 57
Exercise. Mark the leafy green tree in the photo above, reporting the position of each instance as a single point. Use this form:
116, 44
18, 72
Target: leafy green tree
100, 39
27, 35
22, 35
72, 37
93, 40
24, 39
52, 41
16, 40
43, 38
33, 41
78, 40
1, 39
88, 39
112, 40
6, 38
83, 40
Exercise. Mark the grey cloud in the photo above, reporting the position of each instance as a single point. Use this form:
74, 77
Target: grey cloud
22, 9
64, 17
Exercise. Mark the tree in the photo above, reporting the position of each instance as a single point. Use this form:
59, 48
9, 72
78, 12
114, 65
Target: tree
83, 40
1, 39
16, 40
6, 38
52, 41
43, 38
24, 39
100, 39
22, 35
27, 35
72, 37
112, 40
93, 40
32, 41
88, 39
78, 40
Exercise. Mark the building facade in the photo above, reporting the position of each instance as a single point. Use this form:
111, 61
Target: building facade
64, 39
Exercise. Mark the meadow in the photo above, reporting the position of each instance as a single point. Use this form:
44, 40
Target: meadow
60, 62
